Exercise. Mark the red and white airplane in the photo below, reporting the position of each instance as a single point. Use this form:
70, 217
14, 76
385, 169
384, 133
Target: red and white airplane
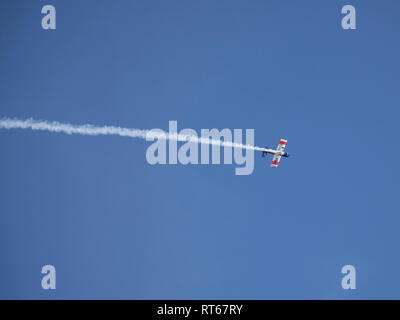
278, 153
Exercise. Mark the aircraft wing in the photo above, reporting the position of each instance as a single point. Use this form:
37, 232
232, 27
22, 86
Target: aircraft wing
275, 160
281, 145
277, 157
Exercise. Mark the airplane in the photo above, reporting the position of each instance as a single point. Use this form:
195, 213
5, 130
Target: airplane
278, 153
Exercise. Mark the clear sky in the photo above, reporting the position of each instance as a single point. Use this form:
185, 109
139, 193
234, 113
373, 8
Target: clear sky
116, 227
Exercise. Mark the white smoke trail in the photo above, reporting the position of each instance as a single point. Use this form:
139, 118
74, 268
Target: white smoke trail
87, 129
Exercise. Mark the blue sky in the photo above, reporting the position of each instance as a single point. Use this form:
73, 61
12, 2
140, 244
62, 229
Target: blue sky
116, 227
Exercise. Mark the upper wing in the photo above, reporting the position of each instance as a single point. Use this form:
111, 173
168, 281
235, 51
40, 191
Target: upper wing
281, 145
